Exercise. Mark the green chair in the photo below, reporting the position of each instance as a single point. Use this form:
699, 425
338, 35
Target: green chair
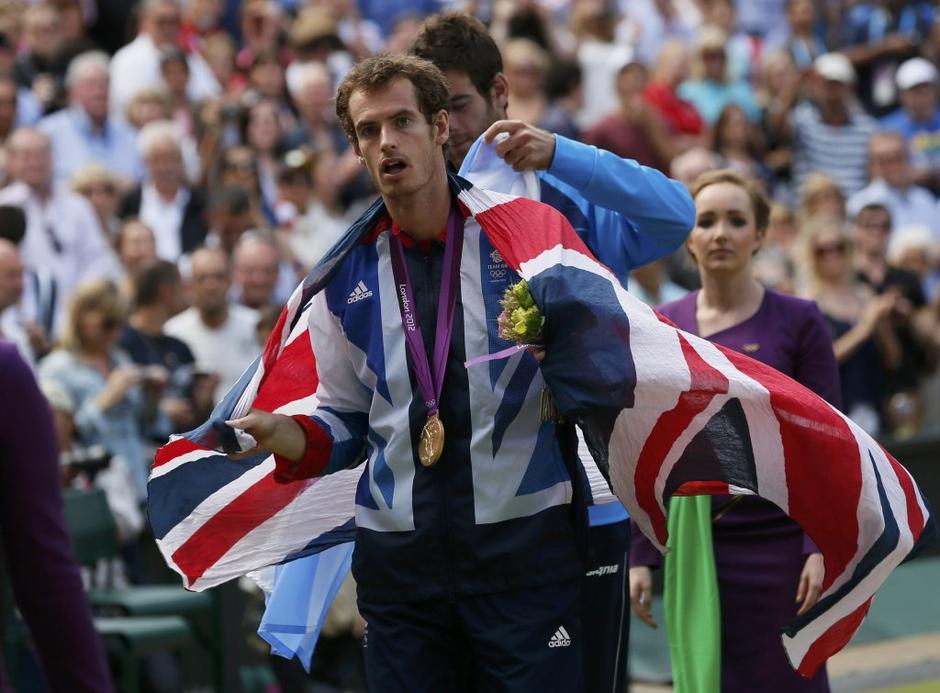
139, 620
137, 636
94, 539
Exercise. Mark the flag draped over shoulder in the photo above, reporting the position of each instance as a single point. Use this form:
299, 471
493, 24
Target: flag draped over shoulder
663, 411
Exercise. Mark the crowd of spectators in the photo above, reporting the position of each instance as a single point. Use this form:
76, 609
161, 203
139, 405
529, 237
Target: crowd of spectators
170, 169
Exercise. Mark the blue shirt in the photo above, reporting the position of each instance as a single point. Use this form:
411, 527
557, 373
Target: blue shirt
75, 144
711, 97
923, 138
386, 13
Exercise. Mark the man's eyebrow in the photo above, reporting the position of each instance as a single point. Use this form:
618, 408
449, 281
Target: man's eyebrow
397, 114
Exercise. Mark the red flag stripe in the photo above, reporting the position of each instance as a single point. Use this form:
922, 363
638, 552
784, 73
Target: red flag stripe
174, 449
706, 382
258, 504
828, 518
503, 219
833, 640
293, 377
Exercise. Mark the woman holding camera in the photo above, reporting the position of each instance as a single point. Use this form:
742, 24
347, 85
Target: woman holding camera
115, 400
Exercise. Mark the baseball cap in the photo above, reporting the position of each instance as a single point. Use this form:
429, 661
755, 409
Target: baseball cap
915, 71
835, 67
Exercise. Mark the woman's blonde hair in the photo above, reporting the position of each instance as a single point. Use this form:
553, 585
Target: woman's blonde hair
810, 231
91, 296
522, 50
709, 38
817, 184
671, 51
92, 174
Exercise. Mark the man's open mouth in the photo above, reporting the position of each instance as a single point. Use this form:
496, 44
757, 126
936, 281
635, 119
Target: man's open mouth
393, 166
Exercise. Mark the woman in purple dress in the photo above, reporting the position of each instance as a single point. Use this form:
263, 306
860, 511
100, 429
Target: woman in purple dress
34, 541
767, 569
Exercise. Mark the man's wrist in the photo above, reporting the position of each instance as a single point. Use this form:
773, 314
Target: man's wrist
316, 448
293, 438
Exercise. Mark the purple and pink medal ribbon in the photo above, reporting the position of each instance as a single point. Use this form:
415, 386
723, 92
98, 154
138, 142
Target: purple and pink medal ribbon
430, 384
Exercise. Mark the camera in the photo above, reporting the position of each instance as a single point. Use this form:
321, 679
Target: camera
87, 459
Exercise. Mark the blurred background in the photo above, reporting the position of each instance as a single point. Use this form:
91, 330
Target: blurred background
169, 171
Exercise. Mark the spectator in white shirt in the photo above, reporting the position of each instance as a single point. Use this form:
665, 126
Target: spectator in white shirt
137, 65
165, 203
893, 185
63, 234
220, 333
83, 133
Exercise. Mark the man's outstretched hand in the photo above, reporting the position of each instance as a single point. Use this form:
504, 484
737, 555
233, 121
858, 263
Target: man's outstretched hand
274, 433
526, 147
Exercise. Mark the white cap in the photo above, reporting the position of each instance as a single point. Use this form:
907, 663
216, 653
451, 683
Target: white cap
835, 67
915, 71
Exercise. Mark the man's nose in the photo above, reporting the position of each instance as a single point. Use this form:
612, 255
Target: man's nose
389, 138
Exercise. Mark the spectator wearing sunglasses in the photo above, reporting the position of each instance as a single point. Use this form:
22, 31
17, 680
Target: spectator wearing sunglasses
116, 401
859, 322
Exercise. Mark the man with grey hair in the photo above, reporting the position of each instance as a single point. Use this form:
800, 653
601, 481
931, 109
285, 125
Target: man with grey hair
311, 89
63, 234
83, 133
164, 201
137, 65
260, 277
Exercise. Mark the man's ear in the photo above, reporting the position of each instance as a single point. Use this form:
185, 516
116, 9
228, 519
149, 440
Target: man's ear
499, 92
441, 127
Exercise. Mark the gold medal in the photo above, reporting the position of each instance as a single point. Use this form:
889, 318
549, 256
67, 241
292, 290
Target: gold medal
431, 443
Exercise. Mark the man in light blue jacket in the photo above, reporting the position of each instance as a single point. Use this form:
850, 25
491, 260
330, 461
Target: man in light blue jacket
627, 214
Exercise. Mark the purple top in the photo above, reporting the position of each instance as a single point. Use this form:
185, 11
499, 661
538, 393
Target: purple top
37, 553
787, 333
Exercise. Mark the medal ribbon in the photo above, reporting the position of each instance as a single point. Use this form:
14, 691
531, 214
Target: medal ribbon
429, 383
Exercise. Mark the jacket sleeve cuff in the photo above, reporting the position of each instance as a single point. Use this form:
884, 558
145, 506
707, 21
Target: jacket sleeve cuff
317, 451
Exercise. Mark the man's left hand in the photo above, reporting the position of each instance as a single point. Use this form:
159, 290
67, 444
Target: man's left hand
526, 148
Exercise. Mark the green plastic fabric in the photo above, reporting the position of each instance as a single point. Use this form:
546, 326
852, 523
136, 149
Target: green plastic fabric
690, 599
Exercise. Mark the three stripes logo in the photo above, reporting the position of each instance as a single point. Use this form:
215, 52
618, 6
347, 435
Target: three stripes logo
358, 293
560, 638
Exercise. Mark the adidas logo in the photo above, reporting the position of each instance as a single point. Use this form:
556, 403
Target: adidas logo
560, 638
603, 570
360, 292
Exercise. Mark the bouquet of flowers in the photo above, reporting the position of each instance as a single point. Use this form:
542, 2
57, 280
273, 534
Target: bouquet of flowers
521, 321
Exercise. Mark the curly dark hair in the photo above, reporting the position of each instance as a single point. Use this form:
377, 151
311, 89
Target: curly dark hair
459, 41
374, 73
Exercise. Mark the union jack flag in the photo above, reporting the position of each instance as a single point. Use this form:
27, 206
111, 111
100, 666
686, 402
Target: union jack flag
665, 412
